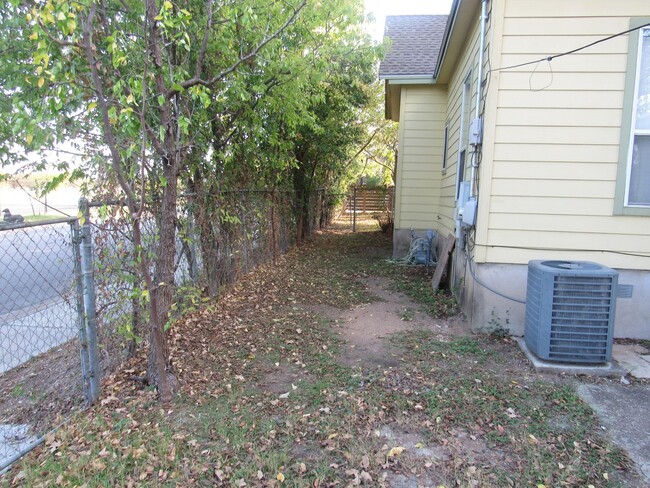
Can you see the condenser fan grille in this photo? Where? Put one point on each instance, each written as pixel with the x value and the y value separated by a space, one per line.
pixel 580 317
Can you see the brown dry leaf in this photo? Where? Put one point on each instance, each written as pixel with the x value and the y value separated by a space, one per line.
pixel 355 474
pixel 171 455
pixel 365 461
pixel 396 451
pixel 19 477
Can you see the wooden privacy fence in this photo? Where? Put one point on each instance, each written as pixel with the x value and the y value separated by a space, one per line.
pixel 370 200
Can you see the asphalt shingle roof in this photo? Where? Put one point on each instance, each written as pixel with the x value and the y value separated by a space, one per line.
pixel 416 41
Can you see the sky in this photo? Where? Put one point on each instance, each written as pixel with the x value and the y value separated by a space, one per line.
pixel 381 8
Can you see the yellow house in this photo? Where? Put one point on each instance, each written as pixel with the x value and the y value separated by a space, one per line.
pixel 525 133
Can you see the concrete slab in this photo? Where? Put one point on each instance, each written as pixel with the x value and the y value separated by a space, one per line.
pixel 623 412
pixel 541 366
pixel 633 358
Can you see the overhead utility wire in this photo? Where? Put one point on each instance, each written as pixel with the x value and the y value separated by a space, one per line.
pixel 573 51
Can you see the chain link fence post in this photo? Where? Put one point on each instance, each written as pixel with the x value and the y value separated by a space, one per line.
pixel 81 321
pixel 354 210
pixel 243 203
pixel 89 300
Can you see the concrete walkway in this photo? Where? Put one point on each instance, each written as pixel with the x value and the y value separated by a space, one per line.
pixel 623 411
pixel 621 406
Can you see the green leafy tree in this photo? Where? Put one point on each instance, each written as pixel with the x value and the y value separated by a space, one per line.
pixel 203 95
pixel 143 73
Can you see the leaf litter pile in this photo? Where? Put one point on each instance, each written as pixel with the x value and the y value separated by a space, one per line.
pixel 333 368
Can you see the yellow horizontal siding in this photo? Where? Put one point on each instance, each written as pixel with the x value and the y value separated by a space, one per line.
pixel 466 64
pixel 558 43
pixel 571 240
pixel 421 183
pixel 575 9
pixel 560 117
pixel 589 225
pixel 552 188
pixel 420 172
pixel 599 81
pixel 422 120
pixel 551 205
pixel 556 153
pixel 611 259
pixel 522 97
pixel 534 170
pixel 545 26
pixel 557 133
pixel 584 62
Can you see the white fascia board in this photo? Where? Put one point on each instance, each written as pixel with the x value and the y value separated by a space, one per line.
pixel 408 79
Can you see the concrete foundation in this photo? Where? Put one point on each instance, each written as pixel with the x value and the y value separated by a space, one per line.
pixel 487 311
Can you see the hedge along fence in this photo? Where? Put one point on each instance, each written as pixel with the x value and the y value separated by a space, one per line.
pixel 219 237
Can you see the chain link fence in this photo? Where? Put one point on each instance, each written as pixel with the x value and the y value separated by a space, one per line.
pixel 40 316
pixel 72 301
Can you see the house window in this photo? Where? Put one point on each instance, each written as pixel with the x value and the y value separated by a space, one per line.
pixel 633 185
pixel 638 192
pixel 465 113
pixel 444 149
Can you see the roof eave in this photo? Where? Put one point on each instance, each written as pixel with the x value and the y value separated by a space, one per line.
pixel 461 17
pixel 408 79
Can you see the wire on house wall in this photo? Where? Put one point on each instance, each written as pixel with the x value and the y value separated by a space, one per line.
pixel 532 248
pixel 484 285
pixel 572 51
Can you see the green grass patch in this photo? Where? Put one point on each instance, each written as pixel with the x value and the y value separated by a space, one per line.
pixel 41 218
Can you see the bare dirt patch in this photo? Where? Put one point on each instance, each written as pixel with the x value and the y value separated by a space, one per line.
pixel 282 378
pixel 366 327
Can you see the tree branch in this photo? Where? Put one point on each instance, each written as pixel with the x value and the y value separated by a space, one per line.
pixel 196 80
pixel 109 136
pixel 349 161
pixel 198 69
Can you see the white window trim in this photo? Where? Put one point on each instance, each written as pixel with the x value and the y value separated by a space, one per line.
pixel 633 130
pixel 445 148
pixel 628 123
pixel 466 98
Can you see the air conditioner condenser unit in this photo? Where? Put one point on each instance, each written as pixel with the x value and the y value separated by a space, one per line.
pixel 570 310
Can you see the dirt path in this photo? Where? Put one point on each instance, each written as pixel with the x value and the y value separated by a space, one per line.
pixel 367 327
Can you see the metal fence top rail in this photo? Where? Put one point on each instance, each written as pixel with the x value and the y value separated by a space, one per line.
pixel 40 223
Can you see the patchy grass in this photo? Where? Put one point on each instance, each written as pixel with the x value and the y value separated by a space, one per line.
pixel 40 218
pixel 266 400
pixel 415 283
